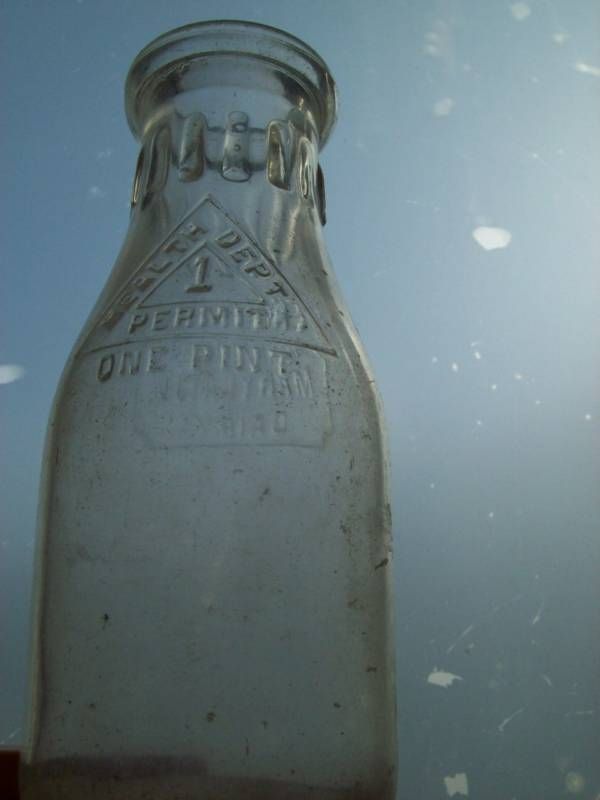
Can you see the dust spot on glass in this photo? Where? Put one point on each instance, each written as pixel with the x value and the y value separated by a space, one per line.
pixel 492 238
pixel 588 417
pixel 102 154
pixel 477 355
pixel 494 387
pixel 9 373
pixel 432 44
pixel 518 376
pixel 432 485
pixel 96 192
pixel 437 40
pixel 574 782
pixel 491 515
pixel 587 69
pixel 440 678
pixel 434 360
pixel 457 784
pixel 479 423
pixel 520 11
pixel 560 37
pixel 454 366
pixel 443 107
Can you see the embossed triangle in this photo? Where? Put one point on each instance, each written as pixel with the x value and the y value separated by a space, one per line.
pixel 208 277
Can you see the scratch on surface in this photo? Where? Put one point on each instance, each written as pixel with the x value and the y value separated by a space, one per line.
pixel 588 712
pixel 546 678
pixel 538 615
pixel 10 736
pixel 421 205
pixel 506 603
pixel 466 632
pixel 505 722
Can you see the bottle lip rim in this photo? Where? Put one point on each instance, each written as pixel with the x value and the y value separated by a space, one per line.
pixel 239 37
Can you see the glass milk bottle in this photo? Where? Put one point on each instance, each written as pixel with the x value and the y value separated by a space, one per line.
pixel 213 612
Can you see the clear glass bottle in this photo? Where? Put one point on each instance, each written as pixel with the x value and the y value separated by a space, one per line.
pixel 213 609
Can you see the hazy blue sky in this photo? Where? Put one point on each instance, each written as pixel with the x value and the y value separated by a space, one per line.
pixel 463 205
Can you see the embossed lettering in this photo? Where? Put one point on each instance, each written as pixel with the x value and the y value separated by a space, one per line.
pixel 243 254
pixel 259 269
pixel 156 362
pixel 183 315
pixel 160 320
pixel 228 239
pixel 199 285
pixel 278 289
pixel 105 367
pixel 138 320
pixel 129 362
pixel 206 256
pixel 201 354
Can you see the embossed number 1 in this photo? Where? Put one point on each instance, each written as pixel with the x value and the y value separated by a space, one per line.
pixel 201 264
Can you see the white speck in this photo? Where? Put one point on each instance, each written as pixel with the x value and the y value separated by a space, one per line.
pixel 9 373
pixel 505 722
pixel 479 423
pixel 492 238
pixel 441 678
pixel 518 376
pixel 10 736
pixel 477 355
pixel 546 679
pixel 432 485
pixel 454 366
pixel 491 515
pixel 534 79
pixel 474 344
pixel 467 68
pixel 434 360
pixel 104 153
pixel 560 38
pixel 538 402
pixel 587 69
pixel 587 417
pixel 431 50
pixel 535 156
pixel 457 784
pixel 443 107
pixel 520 11
pixel 494 387
pixel 96 191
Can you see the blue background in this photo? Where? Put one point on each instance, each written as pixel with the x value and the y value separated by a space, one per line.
pixel 455 115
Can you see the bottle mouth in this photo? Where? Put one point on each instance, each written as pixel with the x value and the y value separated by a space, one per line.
pixel 235 38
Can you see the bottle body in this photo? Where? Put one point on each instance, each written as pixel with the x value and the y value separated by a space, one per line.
pixel 213 613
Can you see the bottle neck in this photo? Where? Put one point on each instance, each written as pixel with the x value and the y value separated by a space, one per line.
pixel 217 138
